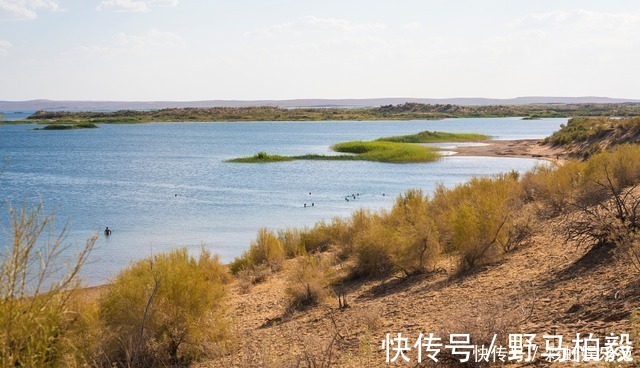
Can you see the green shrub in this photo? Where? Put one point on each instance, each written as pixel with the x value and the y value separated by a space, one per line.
pixel 166 309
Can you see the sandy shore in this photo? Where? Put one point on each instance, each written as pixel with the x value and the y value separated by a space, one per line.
pixel 529 148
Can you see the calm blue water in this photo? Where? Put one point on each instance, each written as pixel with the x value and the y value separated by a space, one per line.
pixel 159 186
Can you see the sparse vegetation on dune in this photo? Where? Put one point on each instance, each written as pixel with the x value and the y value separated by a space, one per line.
pixel 582 137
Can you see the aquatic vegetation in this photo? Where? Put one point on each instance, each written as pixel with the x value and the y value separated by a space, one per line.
pixel 70 126
pixel 398 149
pixel 388 151
pixel 433 137
pixel 262 157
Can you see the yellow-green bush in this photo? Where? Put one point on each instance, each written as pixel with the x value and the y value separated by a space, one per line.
pixel 165 309
pixel 309 281
pixel 39 321
pixel 291 242
pixel 372 250
pixel 322 236
pixel 266 249
pixel 474 218
pixel 416 240
pixel 578 184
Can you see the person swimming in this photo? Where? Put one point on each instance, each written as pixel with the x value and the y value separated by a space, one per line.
pixel 107 232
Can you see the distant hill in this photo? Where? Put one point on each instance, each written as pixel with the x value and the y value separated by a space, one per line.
pixel 366 102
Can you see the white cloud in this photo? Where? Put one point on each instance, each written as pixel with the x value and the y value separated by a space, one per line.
pixel 124 6
pixel 312 24
pixel 582 20
pixel 413 26
pixel 167 3
pixel 135 5
pixel 152 39
pixel 25 9
pixel 4 47
pixel 124 43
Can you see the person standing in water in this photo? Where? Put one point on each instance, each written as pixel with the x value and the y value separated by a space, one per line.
pixel 107 232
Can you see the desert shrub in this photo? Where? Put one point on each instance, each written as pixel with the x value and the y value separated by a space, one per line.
pixel 38 317
pixel 316 239
pixel 291 242
pixel 309 281
pixel 265 249
pixel 165 309
pixel 416 237
pixel 522 227
pixel 371 250
pixel 338 234
pixel 614 170
pixel 554 186
pixel 248 277
pixel 579 129
pixel 607 212
pixel 347 232
pixel 474 218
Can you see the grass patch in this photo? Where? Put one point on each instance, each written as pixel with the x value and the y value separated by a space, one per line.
pixel 68 126
pixel 359 151
pixel 387 151
pixel 434 137
pixel 397 149
pixel 262 157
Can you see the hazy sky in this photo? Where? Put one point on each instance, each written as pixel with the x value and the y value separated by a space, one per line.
pixel 280 49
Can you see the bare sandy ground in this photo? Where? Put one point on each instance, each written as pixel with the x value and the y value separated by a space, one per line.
pixel 529 148
pixel 544 288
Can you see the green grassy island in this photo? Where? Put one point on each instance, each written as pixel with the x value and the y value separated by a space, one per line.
pixel 397 149
pixel 68 126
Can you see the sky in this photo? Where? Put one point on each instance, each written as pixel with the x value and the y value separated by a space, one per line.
pixel 184 50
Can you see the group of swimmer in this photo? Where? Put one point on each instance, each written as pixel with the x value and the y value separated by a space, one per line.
pixel 347 198
pixel 351 196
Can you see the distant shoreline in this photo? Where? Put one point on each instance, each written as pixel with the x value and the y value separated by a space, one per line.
pixel 407 111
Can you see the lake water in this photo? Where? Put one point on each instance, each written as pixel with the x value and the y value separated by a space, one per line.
pixel 163 185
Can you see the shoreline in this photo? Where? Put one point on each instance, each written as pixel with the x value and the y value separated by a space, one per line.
pixel 516 148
